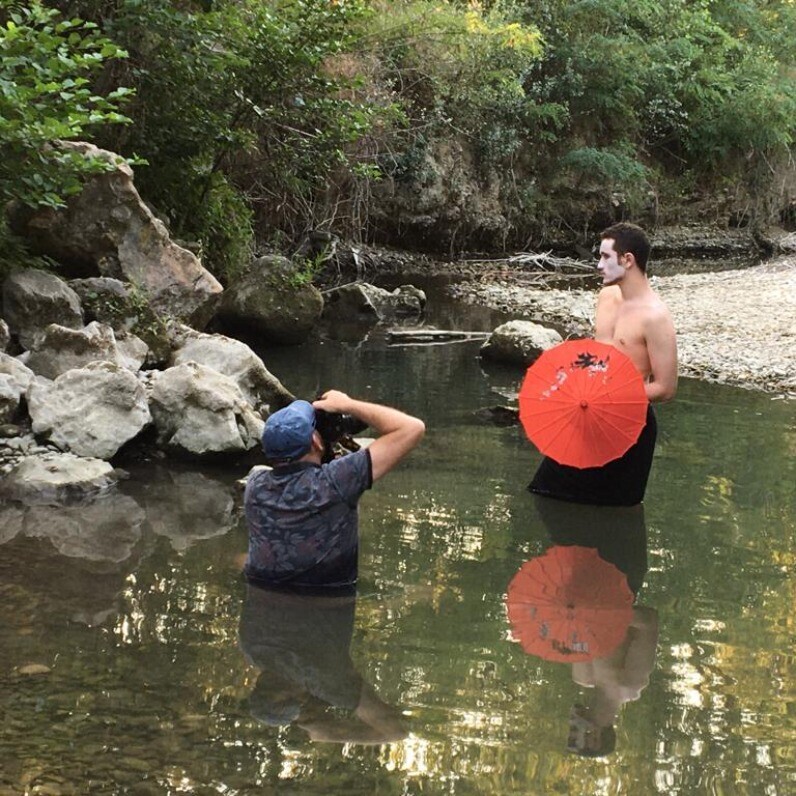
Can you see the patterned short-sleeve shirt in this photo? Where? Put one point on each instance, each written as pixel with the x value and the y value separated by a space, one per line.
pixel 303 522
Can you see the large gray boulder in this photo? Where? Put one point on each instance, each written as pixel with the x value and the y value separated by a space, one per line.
pixel 5 336
pixel 91 411
pixel 361 301
pixel 519 342
pixel 108 229
pixel 57 478
pixel 15 379
pixel 119 305
pixel 33 299
pixel 236 360
pixel 273 299
pixel 60 349
pixel 200 412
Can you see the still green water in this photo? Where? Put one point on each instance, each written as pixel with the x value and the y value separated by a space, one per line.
pixel 132 609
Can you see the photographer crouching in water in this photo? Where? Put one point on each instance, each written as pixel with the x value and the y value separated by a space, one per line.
pixel 302 514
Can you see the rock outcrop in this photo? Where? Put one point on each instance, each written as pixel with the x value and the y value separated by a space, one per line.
pixel 200 412
pixel 236 360
pixel 108 230
pixel 33 299
pixel 15 379
pixel 61 349
pixel 274 300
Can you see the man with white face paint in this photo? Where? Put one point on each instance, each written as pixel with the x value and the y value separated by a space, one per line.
pixel 631 317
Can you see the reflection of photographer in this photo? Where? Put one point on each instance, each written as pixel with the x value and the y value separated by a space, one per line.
pixel 302 514
pixel 300 643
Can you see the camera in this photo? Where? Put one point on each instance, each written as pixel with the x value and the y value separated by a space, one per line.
pixel 336 430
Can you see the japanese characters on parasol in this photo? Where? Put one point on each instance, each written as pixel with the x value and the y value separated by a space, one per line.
pixel 569 605
pixel 583 403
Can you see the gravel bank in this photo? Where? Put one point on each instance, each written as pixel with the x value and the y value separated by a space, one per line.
pixel 733 327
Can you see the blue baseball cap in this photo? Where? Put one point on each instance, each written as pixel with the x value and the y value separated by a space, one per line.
pixel 288 432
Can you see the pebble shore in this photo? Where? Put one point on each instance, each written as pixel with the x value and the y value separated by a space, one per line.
pixel 733 327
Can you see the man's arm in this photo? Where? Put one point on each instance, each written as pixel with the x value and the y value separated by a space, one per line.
pixel 398 432
pixel 662 350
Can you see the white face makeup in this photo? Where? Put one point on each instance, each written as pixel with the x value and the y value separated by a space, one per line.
pixel 610 263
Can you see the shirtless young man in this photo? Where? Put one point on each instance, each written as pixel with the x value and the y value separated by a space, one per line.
pixel 631 317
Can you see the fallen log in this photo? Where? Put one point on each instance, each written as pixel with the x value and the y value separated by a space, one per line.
pixel 420 336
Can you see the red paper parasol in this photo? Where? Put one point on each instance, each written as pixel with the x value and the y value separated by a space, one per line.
pixel 569 605
pixel 583 403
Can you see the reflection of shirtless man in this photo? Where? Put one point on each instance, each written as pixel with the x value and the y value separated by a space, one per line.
pixel 633 318
pixel 616 678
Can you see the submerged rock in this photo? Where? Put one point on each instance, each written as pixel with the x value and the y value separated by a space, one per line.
pixel 367 303
pixel 106 529
pixel 519 342
pixel 57 478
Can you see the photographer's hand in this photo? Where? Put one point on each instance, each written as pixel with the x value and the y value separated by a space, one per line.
pixel 334 401
pixel 399 432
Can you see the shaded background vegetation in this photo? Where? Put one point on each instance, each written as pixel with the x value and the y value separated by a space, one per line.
pixel 432 124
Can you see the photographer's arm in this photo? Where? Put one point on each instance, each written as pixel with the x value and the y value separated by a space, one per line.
pixel 398 432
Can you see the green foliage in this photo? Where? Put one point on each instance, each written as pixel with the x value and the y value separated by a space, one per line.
pixel 690 83
pixel 46 66
pixel 251 98
pixel 461 71
pixel 266 118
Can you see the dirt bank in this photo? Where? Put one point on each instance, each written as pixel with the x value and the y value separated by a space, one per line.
pixel 733 327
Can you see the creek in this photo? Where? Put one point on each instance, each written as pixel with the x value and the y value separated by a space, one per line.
pixel 122 668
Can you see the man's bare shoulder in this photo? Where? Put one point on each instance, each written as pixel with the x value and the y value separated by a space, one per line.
pixel 656 310
pixel 609 296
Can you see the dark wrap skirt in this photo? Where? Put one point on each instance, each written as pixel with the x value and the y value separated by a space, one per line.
pixel 621 482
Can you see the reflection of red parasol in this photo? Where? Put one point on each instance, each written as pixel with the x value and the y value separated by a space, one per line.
pixel 569 605
pixel 583 403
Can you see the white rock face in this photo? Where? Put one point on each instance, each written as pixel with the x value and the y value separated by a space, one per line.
pixel 56 477
pixel 60 349
pixel 519 342
pixel 15 379
pixel 131 351
pixel 90 411
pixel 201 412
pixel 236 360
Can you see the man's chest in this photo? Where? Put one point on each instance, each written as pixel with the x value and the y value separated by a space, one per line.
pixel 623 328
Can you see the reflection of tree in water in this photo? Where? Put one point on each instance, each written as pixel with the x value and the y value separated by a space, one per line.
pixel 301 644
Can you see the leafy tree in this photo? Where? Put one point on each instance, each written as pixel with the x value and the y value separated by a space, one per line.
pixel 245 112
pixel 46 67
